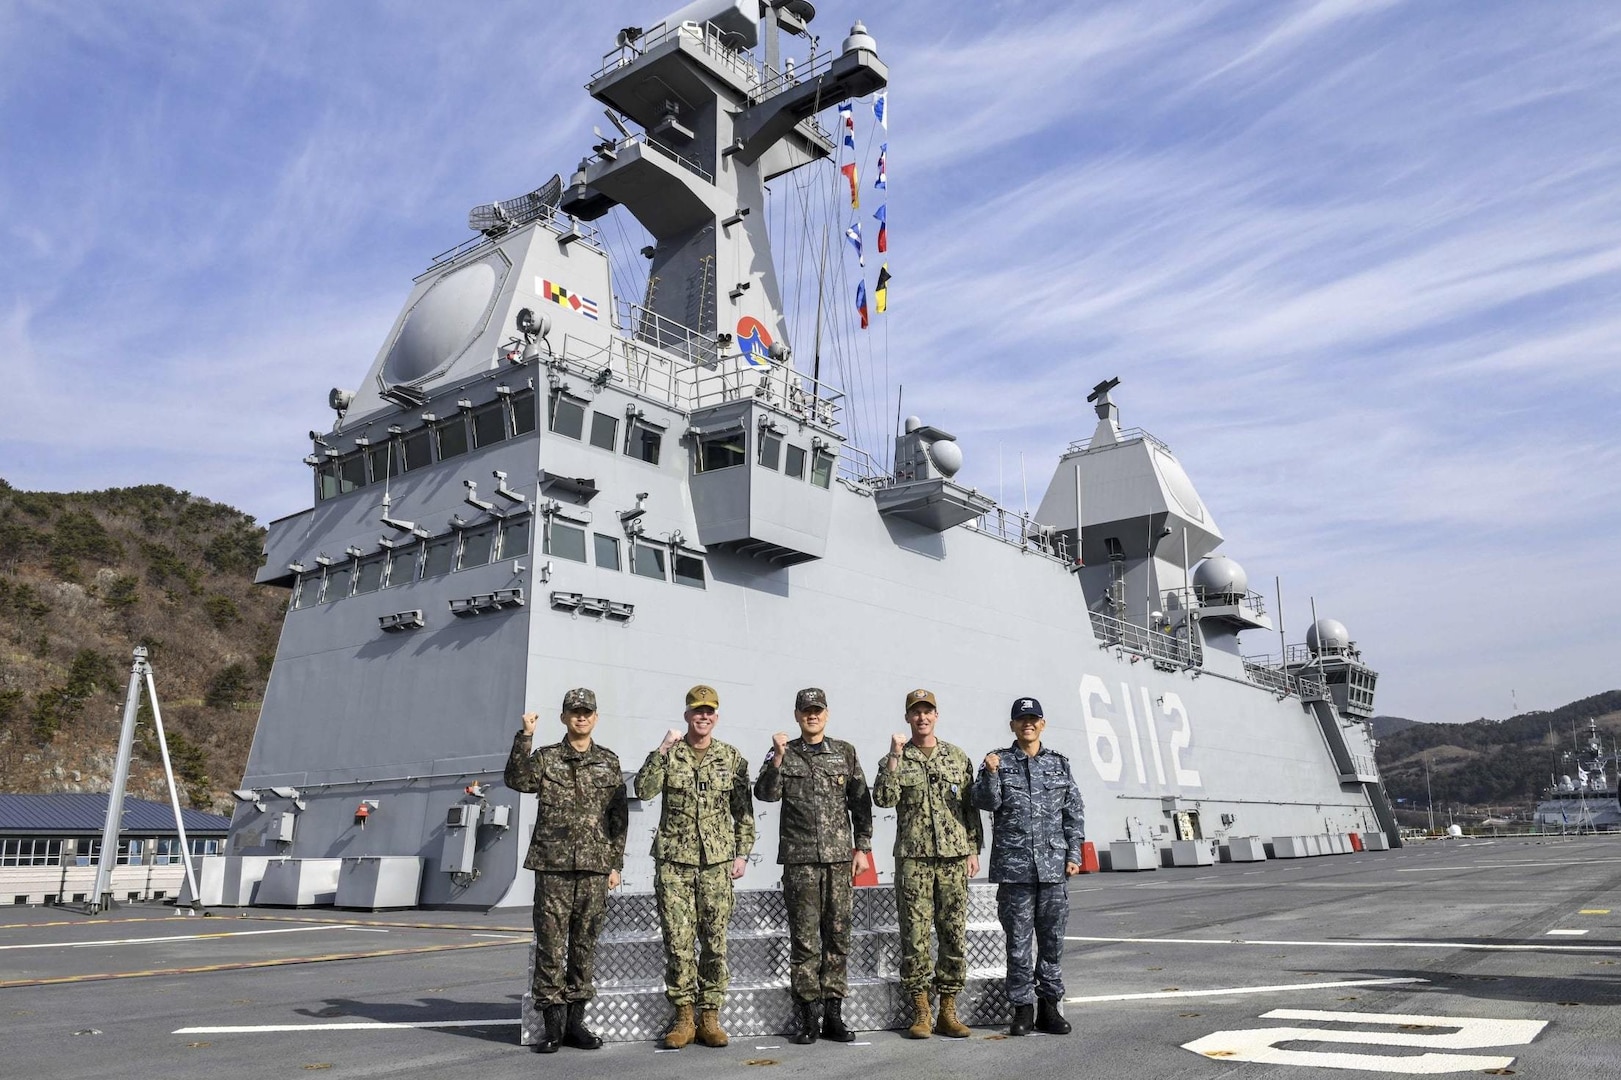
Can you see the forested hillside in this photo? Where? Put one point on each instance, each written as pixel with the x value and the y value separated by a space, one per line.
pixel 85 577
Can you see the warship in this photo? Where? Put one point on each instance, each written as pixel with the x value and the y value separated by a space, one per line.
pixel 1589 801
pixel 541 484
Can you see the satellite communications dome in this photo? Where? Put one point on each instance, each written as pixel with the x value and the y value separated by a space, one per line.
pixel 1219 577
pixel 1328 636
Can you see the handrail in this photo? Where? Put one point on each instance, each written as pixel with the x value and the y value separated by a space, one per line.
pixel 1081 446
pixel 1154 644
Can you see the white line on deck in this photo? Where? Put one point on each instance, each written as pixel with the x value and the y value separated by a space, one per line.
pixel 1480 946
pixel 1225 991
pixel 504 937
pixel 1566 933
pixel 177 937
pixel 361 1025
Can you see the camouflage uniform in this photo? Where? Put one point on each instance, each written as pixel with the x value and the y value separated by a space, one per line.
pixel 706 821
pixel 1037 826
pixel 824 798
pixel 581 818
pixel 936 829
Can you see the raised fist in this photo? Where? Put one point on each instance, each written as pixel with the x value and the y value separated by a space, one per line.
pixel 992 762
pixel 779 742
pixel 897 744
pixel 530 719
pixel 671 737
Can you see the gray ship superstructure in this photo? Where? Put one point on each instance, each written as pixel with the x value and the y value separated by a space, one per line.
pixel 539 485
pixel 1589 801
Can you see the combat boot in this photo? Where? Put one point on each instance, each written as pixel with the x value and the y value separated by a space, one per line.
pixel 710 1032
pixel 1024 1020
pixel 922 1022
pixel 807 1017
pixel 681 1030
pixel 1048 1019
pixel 575 1033
pixel 948 1024
pixel 833 1021
pixel 552 1017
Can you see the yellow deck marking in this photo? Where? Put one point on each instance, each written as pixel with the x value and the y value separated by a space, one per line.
pixel 1594 911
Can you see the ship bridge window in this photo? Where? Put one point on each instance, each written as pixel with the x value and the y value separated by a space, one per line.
pixel 565 541
pixel 326 481
pixel 822 469
pixel 477 547
pixel 794 466
pixel 515 538
pixel 309 590
pixel 687 570
pixel 402 566
pixel 351 472
pixel 417 448
pixel 490 423
pixel 567 415
pixel 642 441
pixel 770 449
pixel 523 412
pixel 607 551
pixel 452 435
pixel 604 431
pixel 439 555
pixel 337 582
pixel 647 560
pixel 380 459
pixel 1112 545
pixel 720 451
pixel 369 574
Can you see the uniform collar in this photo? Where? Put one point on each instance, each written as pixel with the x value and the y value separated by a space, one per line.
pixel 814 748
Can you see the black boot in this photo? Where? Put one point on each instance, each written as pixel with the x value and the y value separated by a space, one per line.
pixel 552 1017
pixel 807 1018
pixel 1024 1020
pixel 833 1021
pixel 1049 1020
pixel 576 1034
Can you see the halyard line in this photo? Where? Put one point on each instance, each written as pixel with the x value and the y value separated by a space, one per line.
pixel 1223 992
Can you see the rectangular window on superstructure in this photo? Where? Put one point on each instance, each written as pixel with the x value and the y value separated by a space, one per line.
pixel 822 469
pixel 687 570
pixel 490 423
pixel 565 541
pixel 647 561
pixel 607 551
pixel 642 441
pixel 794 465
pixel 723 451
pixel 309 590
pixel 351 472
pixel 402 565
pixel 369 574
pixel 770 449
pixel 452 436
pixel 515 537
pixel 523 412
pixel 604 431
pixel 417 449
pixel 477 546
pixel 567 415
pixel 377 461
pixel 326 481
pixel 338 578
pixel 439 555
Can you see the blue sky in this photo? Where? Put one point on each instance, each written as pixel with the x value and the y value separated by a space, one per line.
pixel 1358 263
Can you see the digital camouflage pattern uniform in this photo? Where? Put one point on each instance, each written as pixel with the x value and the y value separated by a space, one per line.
pixel 581 818
pixel 936 829
pixel 1037 826
pixel 705 822
pixel 826 812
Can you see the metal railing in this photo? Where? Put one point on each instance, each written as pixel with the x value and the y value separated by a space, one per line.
pixel 1306 686
pixel 1021 531
pixel 556 221
pixel 642 138
pixel 1080 446
pixel 1194 598
pixel 1159 647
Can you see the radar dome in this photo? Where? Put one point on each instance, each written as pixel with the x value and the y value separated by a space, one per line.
pixel 1219 576
pixel 947 457
pixel 1327 636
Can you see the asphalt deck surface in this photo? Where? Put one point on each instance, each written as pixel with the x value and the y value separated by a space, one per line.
pixel 1329 966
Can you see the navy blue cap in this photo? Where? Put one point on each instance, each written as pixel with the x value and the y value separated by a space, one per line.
pixel 1026 706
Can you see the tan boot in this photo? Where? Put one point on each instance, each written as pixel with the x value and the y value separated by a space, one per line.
pixel 681 1029
pixel 709 1029
pixel 948 1024
pixel 922 1022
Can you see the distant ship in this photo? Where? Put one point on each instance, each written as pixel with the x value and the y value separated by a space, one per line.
pixel 540 484
pixel 1588 801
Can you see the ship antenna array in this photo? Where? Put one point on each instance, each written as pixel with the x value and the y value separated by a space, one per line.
pixel 140 677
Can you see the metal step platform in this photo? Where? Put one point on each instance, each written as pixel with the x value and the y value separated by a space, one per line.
pixel 630 1005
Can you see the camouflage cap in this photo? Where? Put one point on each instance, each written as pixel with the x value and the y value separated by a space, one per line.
pixel 921 696
pixel 702 695
pixel 810 698
pixel 580 699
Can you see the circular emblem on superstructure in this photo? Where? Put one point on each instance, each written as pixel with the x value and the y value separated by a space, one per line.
pixel 755 341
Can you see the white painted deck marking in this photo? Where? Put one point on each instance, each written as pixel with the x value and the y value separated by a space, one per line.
pixel 1226 990
pixel 504 937
pixel 178 937
pixel 1565 933
pixel 1475 945
pixel 1472 1033
pixel 359 1025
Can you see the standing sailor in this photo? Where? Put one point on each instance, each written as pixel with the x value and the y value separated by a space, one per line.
pixel 1037 828
pixel 826 811
pixel 705 835
pixel 576 851
pixel 938 836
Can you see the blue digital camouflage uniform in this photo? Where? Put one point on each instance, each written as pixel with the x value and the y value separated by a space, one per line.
pixel 1037 826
